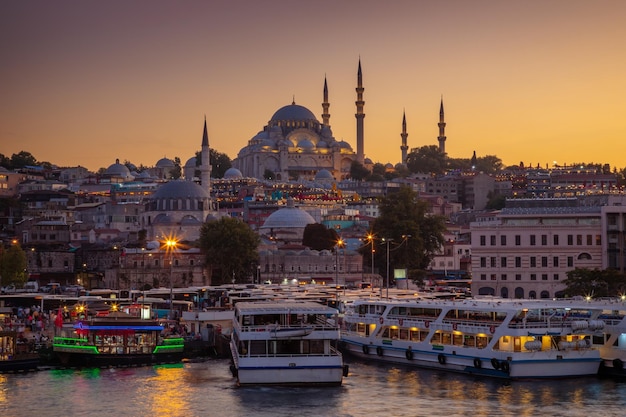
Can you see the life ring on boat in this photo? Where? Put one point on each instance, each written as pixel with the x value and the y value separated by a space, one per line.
pixel 427 324
pixel 495 363
pixel 478 363
pixel 492 329
pixel 381 320
pixel 400 321
pixel 618 364
pixel 366 349
pixel 454 326
pixel 441 358
pixel 505 367
pixel 409 354
pixel 379 351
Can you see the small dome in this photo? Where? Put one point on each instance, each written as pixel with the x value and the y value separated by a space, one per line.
pixel 233 174
pixel 191 162
pixel 189 220
pixel 288 218
pixel 389 165
pixel 345 145
pixel 165 163
pixel 117 170
pixel 324 174
pixel 180 189
pixel 306 144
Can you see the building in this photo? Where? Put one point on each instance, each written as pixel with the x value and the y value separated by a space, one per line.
pixel 526 252
pixel 295 145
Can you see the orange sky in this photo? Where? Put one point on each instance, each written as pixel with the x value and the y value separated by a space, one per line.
pixel 84 83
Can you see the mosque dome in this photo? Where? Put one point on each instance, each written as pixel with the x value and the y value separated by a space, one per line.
pixel 389 165
pixel 233 174
pixel 306 144
pixel 180 190
pixel 191 162
pixel 165 163
pixel 323 174
pixel 288 218
pixel 117 170
pixel 293 112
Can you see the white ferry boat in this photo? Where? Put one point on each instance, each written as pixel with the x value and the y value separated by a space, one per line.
pixel 286 343
pixel 498 338
pixel 611 342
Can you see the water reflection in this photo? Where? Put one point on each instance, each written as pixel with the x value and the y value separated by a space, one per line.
pixel 206 389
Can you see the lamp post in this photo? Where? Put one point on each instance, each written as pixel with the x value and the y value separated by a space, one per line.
pixel 170 246
pixel 406 259
pixel 258 274
pixel 387 241
pixel 338 244
pixel 370 237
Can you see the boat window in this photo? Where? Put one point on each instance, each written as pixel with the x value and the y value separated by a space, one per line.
pixel 482 341
pixel 457 339
pixel 436 338
pixel 469 341
pixel 258 347
pixel 316 347
pixel 423 312
pixel 446 338
pixel 404 334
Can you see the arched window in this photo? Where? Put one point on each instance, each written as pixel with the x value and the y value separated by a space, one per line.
pixel 584 256
pixel 519 292
pixel 504 293
pixel 545 294
pixel 532 295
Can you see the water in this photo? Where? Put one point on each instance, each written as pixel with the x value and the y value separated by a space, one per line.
pixel 208 389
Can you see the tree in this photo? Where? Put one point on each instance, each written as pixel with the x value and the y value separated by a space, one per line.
pixel 358 172
pixel 427 159
pixel 220 163
pixel 318 237
pixel 22 159
pixel 489 164
pixel 230 250
pixel 416 235
pixel 595 282
pixel 176 172
pixel 13 265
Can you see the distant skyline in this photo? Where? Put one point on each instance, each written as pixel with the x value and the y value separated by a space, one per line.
pixel 536 82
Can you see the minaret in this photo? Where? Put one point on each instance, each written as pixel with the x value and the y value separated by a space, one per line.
pixel 205 166
pixel 325 105
pixel 404 147
pixel 360 154
pixel 442 129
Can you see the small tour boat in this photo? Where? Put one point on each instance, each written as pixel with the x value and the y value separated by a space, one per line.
pixel 286 343
pixel 14 357
pixel 499 337
pixel 116 340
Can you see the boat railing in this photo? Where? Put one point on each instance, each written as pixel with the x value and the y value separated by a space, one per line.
pixel 317 326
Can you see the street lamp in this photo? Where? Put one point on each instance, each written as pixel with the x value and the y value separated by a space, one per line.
pixel 387 241
pixel 406 259
pixel 337 246
pixel 370 237
pixel 170 246
pixel 258 274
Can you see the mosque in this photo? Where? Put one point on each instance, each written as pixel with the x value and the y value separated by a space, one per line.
pixel 295 145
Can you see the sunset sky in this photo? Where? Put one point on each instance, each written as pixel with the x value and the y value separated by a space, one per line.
pixel 538 81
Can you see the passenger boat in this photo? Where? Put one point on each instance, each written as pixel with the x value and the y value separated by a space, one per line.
pixel 116 340
pixel 14 356
pixel 286 343
pixel 611 341
pixel 500 338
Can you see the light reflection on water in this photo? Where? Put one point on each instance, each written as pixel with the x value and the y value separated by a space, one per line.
pixel 208 389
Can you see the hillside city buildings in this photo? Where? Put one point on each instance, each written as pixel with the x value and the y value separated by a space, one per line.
pixel 105 230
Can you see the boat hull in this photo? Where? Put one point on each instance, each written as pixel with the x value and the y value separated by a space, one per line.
pixel 285 370
pixel 103 360
pixel 20 365
pixel 470 361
